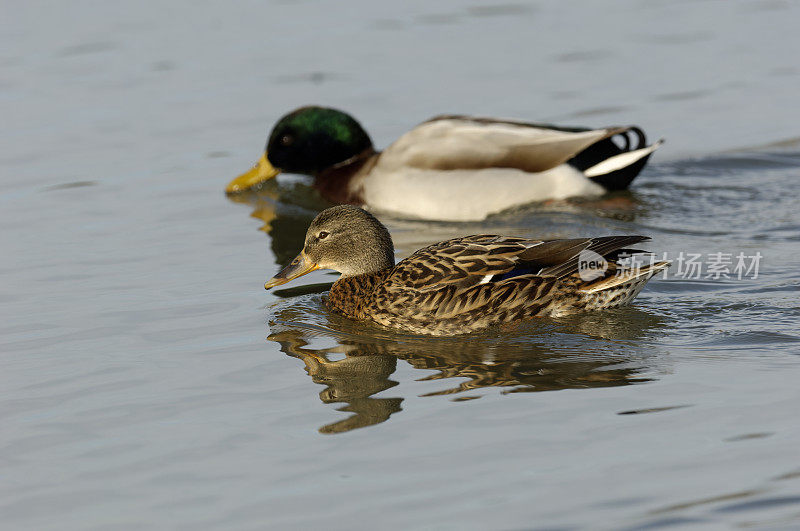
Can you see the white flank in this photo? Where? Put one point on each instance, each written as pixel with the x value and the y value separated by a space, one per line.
pixel 468 195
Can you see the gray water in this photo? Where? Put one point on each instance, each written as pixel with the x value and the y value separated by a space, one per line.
pixel 149 382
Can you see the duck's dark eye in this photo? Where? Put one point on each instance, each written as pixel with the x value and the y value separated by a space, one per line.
pixel 322 235
pixel 286 140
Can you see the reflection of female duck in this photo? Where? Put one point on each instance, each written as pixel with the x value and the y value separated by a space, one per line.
pixel 532 359
pixel 523 373
pixel 464 284
pixel 352 380
pixel 450 167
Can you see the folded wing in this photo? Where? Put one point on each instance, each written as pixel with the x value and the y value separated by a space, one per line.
pixel 461 142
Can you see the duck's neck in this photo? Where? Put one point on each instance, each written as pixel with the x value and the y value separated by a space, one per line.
pixel 336 184
pixel 350 296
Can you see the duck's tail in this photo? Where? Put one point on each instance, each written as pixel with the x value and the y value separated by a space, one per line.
pixel 614 167
pixel 618 289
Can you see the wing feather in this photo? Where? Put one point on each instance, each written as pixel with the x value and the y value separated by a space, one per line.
pixel 459 142
pixel 602 246
pixel 460 262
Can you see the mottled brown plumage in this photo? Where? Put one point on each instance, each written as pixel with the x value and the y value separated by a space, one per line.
pixel 464 284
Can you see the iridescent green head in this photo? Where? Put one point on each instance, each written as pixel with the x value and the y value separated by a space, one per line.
pixel 312 139
pixel 308 140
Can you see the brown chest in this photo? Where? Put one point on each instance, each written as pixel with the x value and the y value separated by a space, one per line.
pixel 353 296
pixel 336 184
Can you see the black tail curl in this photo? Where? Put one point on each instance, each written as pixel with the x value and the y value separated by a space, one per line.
pixel 632 139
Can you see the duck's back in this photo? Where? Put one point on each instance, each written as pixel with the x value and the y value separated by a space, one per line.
pixel 462 142
pixel 470 283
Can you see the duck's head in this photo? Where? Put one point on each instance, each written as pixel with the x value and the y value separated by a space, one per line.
pixel 344 238
pixel 306 141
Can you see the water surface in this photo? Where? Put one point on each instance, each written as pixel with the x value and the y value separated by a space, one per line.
pixel 149 382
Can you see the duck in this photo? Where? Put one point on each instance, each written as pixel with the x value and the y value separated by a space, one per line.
pixel 464 284
pixel 450 167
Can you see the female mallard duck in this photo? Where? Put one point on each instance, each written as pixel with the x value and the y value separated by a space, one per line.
pixel 464 284
pixel 456 168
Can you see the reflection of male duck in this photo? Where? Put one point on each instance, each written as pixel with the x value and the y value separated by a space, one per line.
pixel 286 209
pixel 285 220
pixel 542 356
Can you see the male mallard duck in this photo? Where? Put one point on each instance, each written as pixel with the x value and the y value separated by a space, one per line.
pixel 456 168
pixel 464 284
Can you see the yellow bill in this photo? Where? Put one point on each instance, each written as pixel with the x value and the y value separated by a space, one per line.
pixel 299 267
pixel 260 173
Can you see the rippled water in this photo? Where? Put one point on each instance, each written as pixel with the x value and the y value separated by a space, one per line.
pixel 150 382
